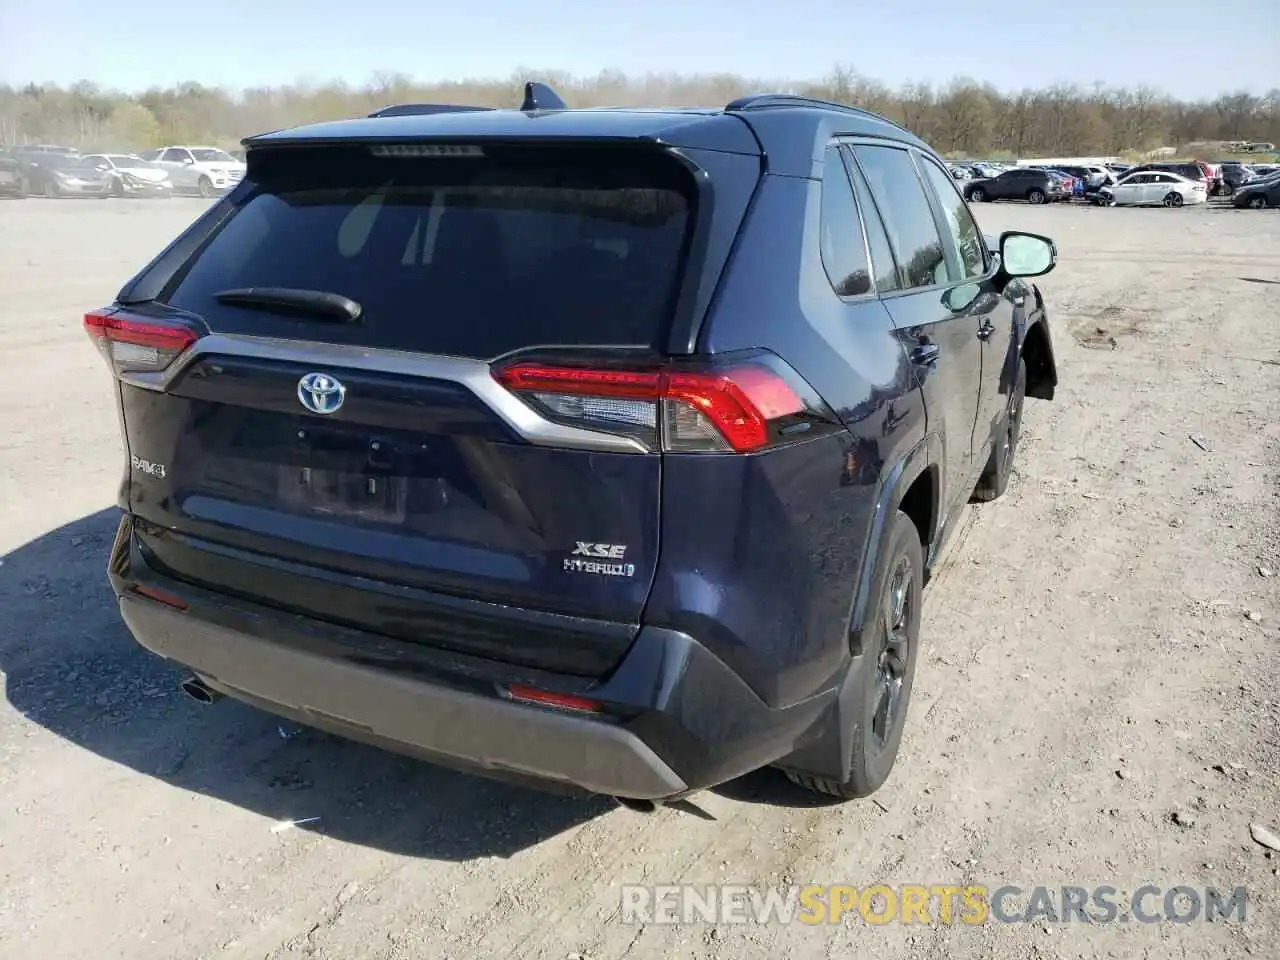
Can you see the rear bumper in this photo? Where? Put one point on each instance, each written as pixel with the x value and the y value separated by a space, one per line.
pixel 674 717
pixel 432 720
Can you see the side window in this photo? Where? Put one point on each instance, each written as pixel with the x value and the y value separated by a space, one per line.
pixel 173 155
pixel 844 254
pixel 908 218
pixel 883 267
pixel 965 232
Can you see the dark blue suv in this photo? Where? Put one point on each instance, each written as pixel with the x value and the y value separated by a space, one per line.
pixel 610 448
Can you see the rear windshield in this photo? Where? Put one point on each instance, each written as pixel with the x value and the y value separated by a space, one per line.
pixel 466 256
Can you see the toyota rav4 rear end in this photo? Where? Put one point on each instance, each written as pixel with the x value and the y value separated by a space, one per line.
pixel 421 450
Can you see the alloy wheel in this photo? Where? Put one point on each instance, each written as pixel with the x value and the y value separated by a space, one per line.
pixel 895 648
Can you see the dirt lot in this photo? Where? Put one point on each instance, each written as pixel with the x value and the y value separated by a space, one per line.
pixel 1095 704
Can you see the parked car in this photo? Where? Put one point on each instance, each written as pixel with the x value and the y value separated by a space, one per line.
pixel 960 172
pixel 1259 194
pixel 1071 184
pixel 12 183
pixel 481 460
pixel 987 170
pixel 1153 188
pixel 1190 169
pixel 46 148
pixel 131 176
pixel 207 171
pixel 1091 178
pixel 1234 176
pixel 1020 183
pixel 63 175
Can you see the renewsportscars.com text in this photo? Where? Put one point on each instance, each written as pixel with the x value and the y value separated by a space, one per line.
pixel 930 904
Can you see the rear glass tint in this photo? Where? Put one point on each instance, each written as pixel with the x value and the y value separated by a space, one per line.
pixel 466 256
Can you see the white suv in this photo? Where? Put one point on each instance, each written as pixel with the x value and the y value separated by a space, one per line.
pixel 204 170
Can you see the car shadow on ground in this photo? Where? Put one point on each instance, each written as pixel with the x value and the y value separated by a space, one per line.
pixel 71 666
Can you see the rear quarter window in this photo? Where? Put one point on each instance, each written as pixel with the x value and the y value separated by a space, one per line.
pixel 472 257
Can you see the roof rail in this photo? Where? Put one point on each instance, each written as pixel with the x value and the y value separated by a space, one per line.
pixel 537 96
pixel 423 109
pixel 758 101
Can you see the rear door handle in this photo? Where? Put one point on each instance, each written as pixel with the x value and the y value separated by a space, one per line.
pixel 925 355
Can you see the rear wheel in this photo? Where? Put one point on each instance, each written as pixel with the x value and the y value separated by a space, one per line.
pixel 206 187
pixel 995 477
pixel 887 668
pixel 1036 196
pixel 1173 199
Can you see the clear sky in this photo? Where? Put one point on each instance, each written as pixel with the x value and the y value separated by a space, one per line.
pixel 1187 49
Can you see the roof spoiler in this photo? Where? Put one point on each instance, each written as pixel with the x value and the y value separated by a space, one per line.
pixel 537 96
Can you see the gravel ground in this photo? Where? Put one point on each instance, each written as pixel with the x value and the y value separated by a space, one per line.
pixel 1096 703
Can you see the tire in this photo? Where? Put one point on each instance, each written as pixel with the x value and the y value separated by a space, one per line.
pixel 977 195
pixel 1259 202
pixel 205 186
pixel 886 668
pixel 50 191
pixel 995 476
pixel 1173 199
pixel 1226 189
pixel 117 187
pixel 1035 196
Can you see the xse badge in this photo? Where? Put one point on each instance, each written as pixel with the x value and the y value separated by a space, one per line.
pixel 588 557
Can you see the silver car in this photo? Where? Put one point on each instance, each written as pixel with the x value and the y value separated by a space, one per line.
pixel 132 176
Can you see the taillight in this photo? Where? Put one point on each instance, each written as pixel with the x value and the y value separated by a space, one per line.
pixel 739 407
pixel 134 344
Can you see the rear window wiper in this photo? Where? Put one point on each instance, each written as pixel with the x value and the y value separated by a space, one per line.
pixel 315 303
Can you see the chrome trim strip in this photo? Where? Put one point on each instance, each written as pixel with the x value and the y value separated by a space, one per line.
pixel 475 375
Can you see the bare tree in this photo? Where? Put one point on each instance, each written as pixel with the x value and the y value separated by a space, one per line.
pixel 962 117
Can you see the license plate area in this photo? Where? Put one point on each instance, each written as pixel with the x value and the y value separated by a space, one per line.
pixel 356 496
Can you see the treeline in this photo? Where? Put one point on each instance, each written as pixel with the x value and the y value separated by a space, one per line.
pixel 963 117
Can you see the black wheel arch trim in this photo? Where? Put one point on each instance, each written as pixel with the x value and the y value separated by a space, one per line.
pixel 925 455
pixel 1035 345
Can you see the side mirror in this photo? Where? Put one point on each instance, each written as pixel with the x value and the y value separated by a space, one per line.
pixel 188 160
pixel 1026 254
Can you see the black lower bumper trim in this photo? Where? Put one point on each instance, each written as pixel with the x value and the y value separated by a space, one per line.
pixel 490 732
